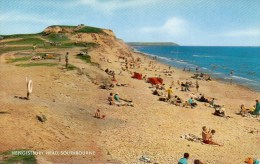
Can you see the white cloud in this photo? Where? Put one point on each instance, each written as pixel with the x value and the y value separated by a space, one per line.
pixel 243 33
pixel 111 5
pixel 173 26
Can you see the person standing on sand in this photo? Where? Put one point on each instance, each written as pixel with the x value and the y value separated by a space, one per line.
pixel 197 86
pixel 67 59
pixel 257 108
pixel 169 91
pixel 185 158
pixel 231 74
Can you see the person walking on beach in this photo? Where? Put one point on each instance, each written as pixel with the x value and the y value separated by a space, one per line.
pixel 197 86
pixel 231 74
pixel 67 59
pixel 185 158
pixel 197 70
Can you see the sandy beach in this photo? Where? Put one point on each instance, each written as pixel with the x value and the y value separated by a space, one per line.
pixel 69 100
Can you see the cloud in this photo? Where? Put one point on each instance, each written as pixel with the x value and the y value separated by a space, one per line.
pixel 31 18
pixel 173 26
pixel 243 33
pixel 111 5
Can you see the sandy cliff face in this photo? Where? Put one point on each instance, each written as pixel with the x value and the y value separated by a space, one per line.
pixel 106 38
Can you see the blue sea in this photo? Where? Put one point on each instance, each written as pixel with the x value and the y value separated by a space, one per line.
pixel 216 61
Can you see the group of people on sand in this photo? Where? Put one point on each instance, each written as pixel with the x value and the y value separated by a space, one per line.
pixel 207 136
pixel 255 110
pixel 114 99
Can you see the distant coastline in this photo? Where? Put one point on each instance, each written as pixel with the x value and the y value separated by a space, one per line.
pixel 152 44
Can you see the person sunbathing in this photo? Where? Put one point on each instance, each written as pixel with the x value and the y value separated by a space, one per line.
pixel 220 111
pixel 176 101
pixel 203 99
pixel 192 102
pixel 207 136
pixel 122 102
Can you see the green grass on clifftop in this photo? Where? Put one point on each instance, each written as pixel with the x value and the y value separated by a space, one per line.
pixel 88 29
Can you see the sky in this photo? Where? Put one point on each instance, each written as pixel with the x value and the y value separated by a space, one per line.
pixel 185 22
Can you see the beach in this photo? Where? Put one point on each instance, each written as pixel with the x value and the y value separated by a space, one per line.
pixel 69 100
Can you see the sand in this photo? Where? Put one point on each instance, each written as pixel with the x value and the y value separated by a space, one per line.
pixel 153 128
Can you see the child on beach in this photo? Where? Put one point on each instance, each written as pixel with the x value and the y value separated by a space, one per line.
pixel 97 114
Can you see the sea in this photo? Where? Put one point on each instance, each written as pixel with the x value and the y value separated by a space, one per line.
pixel 239 64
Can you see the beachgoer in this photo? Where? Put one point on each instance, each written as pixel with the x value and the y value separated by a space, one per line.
pixel 197 69
pixel 183 87
pixel 186 104
pixel 203 99
pixel 212 102
pixel 197 86
pixel 192 102
pixel 244 110
pixel 250 160
pixel 67 59
pixel 111 99
pixel 257 108
pixel 187 87
pixel 207 136
pixel 231 74
pixel 116 97
pixel 196 161
pixel 169 91
pixel 220 111
pixel 97 114
pixel 185 158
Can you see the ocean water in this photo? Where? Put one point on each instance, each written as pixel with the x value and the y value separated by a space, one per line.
pixel 216 61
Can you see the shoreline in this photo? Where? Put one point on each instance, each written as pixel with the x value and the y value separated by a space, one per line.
pixel 219 79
